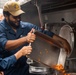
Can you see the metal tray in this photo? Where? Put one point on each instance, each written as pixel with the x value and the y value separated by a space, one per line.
pixel 47 51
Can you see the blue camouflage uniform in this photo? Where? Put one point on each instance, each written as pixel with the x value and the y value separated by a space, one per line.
pixel 15 67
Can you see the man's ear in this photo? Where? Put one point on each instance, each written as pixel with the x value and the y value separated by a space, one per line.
pixel 1 73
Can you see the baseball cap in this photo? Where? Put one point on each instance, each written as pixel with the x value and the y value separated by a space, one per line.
pixel 13 8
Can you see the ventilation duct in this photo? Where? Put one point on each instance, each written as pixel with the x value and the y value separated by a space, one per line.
pixel 54 5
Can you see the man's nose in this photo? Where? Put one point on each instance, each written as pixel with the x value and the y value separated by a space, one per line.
pixel 18 18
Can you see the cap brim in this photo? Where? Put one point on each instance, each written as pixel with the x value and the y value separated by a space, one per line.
pixel 16 13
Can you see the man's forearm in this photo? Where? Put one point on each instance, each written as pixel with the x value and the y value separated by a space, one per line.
pixel 18 55
pixel 13 44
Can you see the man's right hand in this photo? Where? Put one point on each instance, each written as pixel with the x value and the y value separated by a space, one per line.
pixel 23 51
pixel 26 50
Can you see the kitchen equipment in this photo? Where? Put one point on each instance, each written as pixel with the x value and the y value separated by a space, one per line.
pixel 66 73
pixel 47 51
pixel 66 32
pixel 69 33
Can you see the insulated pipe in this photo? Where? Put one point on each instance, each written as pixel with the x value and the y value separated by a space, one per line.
pixel 40 16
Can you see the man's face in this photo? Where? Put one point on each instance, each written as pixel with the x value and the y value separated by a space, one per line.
pixel 14 21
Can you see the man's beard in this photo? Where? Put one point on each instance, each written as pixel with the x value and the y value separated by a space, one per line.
pixel 13 24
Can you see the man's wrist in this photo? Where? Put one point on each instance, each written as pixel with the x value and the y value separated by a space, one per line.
pixel 18 55
pixel 26 39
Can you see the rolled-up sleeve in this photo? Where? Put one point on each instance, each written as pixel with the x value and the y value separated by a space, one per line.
pixel 49 33
pixel 3 38
pixel 7 62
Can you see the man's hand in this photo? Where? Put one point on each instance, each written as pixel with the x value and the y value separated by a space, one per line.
pixel 23 51
pixel 1 73
pixel 30 36
pixel 26 50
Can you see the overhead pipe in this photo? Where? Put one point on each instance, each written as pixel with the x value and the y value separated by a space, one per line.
pixel 39 14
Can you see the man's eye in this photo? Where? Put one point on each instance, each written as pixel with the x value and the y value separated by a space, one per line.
pixel 15 17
